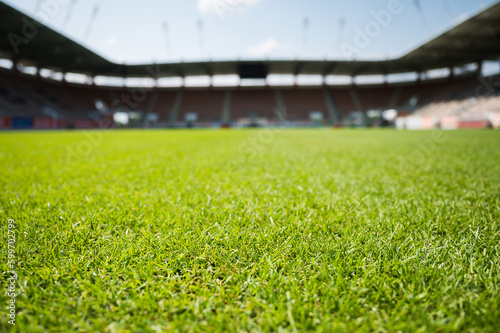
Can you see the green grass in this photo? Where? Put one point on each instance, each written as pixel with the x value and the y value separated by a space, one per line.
pixel 253 230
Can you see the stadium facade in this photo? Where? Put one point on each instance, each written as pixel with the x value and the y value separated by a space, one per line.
pixel 439 84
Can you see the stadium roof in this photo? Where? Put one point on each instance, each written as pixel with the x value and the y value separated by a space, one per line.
pixel 25 39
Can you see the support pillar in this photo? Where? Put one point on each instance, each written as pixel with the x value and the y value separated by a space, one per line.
pixel 174 111
pixel 226 109
pixel 333 111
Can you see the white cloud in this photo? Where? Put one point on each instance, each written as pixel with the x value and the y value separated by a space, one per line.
pixel 112 41
pixel 265 48
pixel 225 8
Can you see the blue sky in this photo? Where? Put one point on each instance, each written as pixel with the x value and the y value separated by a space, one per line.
pixel 132 31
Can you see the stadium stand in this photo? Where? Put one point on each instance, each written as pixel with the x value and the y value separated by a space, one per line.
pixel 249 103
pixel 377 98
pixel 164 105
pixel 301 102
pixel 207 104
pixel 344 102
pixel 466 104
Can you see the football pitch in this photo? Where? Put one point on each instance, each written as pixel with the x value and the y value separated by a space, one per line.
pixel 251 230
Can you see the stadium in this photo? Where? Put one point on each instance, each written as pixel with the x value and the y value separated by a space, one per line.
pixel 434 75
pixel 337 194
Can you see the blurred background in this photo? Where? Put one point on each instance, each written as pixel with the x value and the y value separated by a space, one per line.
pixel 410 64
